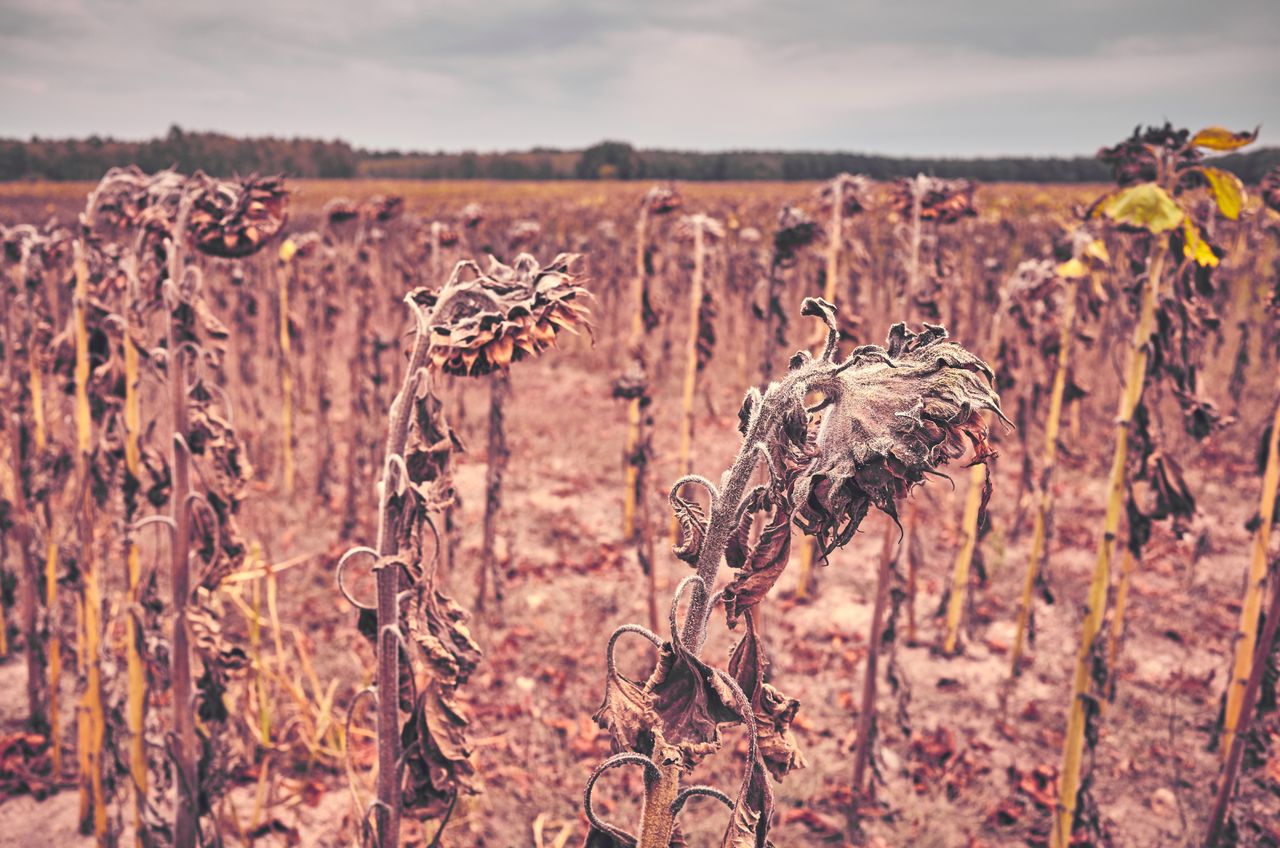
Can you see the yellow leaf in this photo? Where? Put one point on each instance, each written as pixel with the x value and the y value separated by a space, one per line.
pixel 288 249
pixel 1072 269
pixel 1219 138
pixel 1097 249
pixel 1227 189
pixel 1145 205
pixel 1194 247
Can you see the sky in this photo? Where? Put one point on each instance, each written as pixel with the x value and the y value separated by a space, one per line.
pixel 901 77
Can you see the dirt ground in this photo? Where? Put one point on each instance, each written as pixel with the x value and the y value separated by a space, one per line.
pixel 950 763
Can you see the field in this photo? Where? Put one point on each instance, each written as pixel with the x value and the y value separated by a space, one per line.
pixel 963 752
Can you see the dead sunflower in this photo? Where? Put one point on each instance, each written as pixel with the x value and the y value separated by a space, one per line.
pixel 893 416
pixel 1271 189
pixel 235 219
pixel 662 200
pixel 482 321
pixel 944 201
pixel 853 190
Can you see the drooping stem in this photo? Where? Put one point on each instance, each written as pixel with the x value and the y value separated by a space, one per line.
pixel 1045 502
pixel 1245 648
pixel 866 716
pixel 1079 708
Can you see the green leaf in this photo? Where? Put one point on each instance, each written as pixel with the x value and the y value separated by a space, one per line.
pixel 1146 206
pixel 1219 138
pixel 1228 191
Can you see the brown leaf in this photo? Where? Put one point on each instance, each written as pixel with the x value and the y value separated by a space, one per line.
pixel 774 712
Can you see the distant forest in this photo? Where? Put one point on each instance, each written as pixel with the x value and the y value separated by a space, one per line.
pixel 224 155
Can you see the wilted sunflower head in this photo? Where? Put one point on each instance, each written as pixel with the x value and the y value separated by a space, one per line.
pixel 944 201
pixel 127 199
pixel 340 210
pixel 235 219
pixel 687 227
pixel 895 415
pixel 472 215
pixel 1271 189
pixel 481 321
pixel 853 190
pixel 383 208
pixel 662 200
pixel 523 234
pixel 796 231
pixel 1136 159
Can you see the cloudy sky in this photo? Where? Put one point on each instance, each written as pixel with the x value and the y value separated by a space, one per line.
pixel 921 77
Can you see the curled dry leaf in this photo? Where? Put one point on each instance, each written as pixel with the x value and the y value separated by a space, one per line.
pixel 774 712
pixel 483 321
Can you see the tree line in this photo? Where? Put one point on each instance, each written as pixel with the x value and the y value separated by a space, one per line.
pixel 225 155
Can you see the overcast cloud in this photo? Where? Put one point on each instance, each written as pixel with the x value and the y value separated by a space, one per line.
pixel 919 77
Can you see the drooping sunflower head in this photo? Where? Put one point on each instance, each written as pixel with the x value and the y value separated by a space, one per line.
pixel 894 416
pixel 1271 189
pixel 854 190
pixel 662 200
pixel 482 321
pixel 235 219
pixel 796 231
pixel 944 201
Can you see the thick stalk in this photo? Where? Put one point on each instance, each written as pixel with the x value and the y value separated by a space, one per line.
pixel 91 596
pixel 1116 635
pixel 964 559
pixel 286 380
pixel 499 391
pixel 55 651
pixel 186 745
pixel 1045 502
pixel 1248 701
pixel 690 363
pixel 866 716
pixel 657 819
pixel 630 493
pixel 135 710
pixel 387 812
pixel 1245 647
pixel 1096 604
